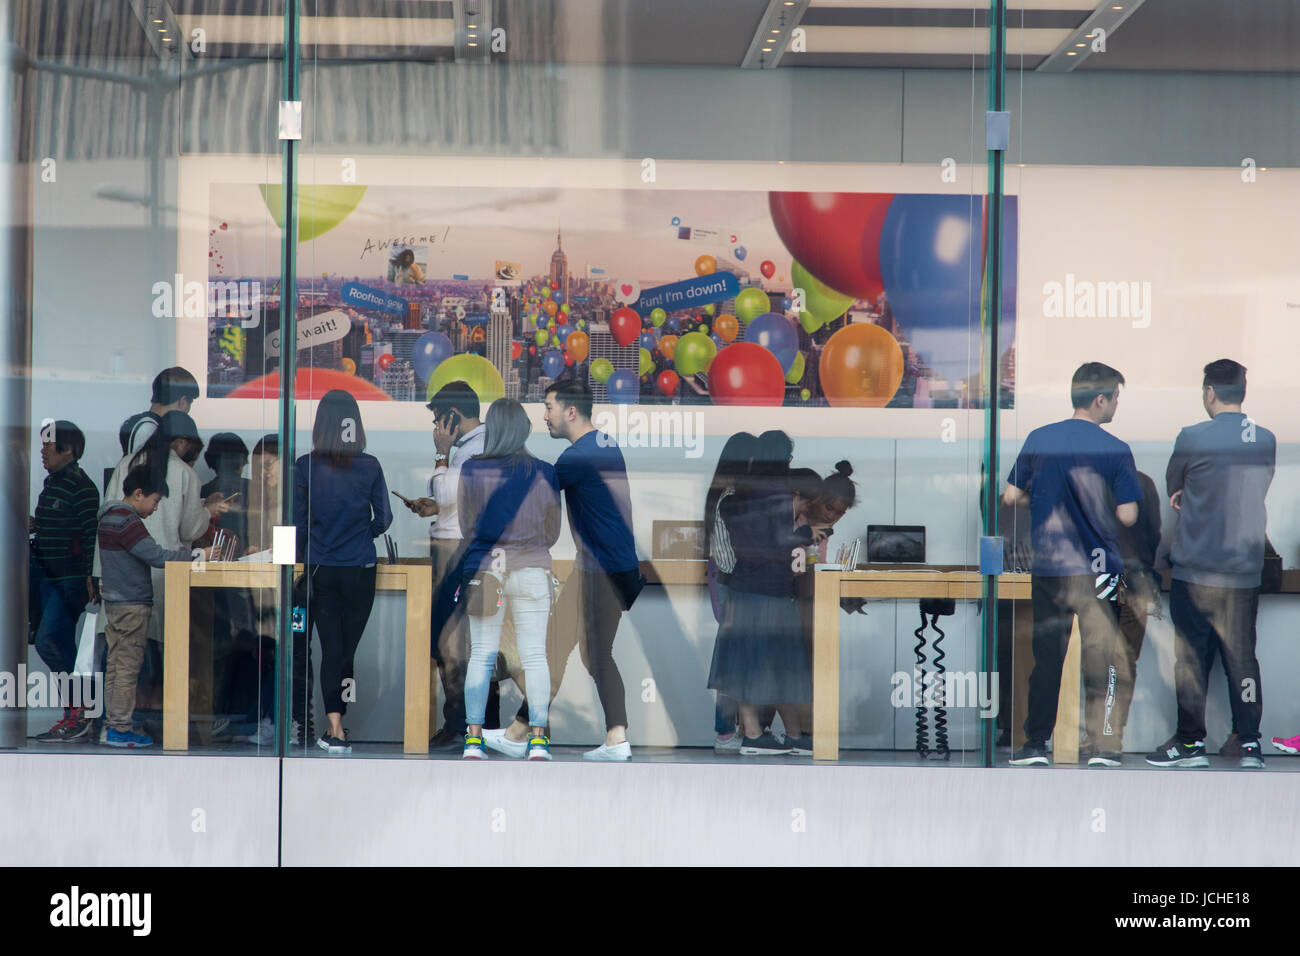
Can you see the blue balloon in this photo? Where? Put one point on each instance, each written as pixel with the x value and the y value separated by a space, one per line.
pixel 718 340
pixel 429 351
pixel 677 220
pixel 672 325
pixel 623 387
pixel 563 332
pixel 777 334
pixel 557 297
pixel 741 253
pixel 786 303
pixel 931 261
pixel 553 363
pixel 649 341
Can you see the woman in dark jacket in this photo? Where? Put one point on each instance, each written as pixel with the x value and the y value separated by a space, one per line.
pixel 340 507
pixel 760 657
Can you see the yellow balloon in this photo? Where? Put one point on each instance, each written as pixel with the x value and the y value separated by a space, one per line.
pixel 475 371
pixel 349 367
pixel 320 208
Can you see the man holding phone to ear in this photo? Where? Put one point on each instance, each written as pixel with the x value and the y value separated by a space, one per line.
pixel 458 436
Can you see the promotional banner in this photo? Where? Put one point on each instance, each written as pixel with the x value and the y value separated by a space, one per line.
pixel 783 298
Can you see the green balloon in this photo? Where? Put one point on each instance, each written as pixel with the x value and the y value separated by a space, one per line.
pixel 805 394
pixel 795 374
pixel 540 337
pixel 647 362
pixel 602 369
pixel 320 208
pixel 810 325
pixel 582 323
pixel 751 303
pixel 694 353
pixel 658 317
pixel 565 308
pixel 710 309
pixel 822 303
pixel 546 293
pixel 704 329
pixel 555 340
pixel 475 371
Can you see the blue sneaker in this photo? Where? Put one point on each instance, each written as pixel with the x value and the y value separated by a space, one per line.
pixel 127 738
pixel 539 748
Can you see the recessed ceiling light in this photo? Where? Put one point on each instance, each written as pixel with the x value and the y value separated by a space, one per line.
pixel 767 49
pixel 473 44
pixel 1071 53
pixel 1081 44
pixel 167 39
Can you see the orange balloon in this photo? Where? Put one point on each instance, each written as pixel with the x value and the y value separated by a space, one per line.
pixel 577 345
pixel 349 367
pixel 706 265
pixel 668 345
pixel 550 306
pixel 861 367
pixel 727 327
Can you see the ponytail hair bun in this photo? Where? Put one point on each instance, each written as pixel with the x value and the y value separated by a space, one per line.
pixel 844 468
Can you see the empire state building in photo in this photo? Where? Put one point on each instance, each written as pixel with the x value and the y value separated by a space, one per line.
pixel 560 267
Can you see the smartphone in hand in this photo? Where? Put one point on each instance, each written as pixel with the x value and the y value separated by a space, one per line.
pixel 405 500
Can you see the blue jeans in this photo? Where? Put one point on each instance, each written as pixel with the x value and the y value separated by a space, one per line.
pixel 61 604
pixel 528 599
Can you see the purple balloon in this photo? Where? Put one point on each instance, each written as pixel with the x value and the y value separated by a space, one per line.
pixel 775 333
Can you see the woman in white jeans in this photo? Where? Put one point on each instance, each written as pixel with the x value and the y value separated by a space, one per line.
pixel 509 509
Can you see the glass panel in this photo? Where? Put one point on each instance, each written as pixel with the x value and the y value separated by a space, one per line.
pixel 146 314
pixel 758 217
pixel 1159 198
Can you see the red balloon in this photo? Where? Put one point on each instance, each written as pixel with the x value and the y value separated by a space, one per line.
pixel 562 318
pixel 625 326
pixel 768 267
pixel 667 381
pixel 835 236
pixel 516 350
pixel 745 373
pixel 555 285
pixel 385 360
pixel 568 359
pixel 532 350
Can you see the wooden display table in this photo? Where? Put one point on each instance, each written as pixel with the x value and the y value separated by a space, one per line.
pixel 831 585
pixel 413 578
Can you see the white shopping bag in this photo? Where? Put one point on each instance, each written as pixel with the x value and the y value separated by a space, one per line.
pixel 85 666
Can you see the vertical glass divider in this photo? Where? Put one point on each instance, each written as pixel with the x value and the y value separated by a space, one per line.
pixel 991 302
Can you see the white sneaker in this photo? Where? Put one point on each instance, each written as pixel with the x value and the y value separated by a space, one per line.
pixel 265 734
pixel 498 741
pixel 621 751
pixel 729 746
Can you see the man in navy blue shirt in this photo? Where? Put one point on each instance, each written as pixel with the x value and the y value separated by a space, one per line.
pixel 1217 479
pixel 1077 480
pixel 606 578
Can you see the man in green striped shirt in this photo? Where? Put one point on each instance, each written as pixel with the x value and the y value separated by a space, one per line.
pixel 61 556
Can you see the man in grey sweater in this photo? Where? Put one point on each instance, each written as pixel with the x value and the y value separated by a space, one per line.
pixel 127 552
pixel 1217 479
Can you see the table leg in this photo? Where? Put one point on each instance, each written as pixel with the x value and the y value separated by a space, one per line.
pixel 1065 736
pixel 826 665
pixel 1022 663
pixel 419 595
pixel 176 657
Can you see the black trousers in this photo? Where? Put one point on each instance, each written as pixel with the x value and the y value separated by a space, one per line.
pixel 587 613
pixel 1056 602
pixel 1209 620
pixel 339 601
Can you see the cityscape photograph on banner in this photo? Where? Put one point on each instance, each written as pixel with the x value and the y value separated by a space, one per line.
pixel 868 300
